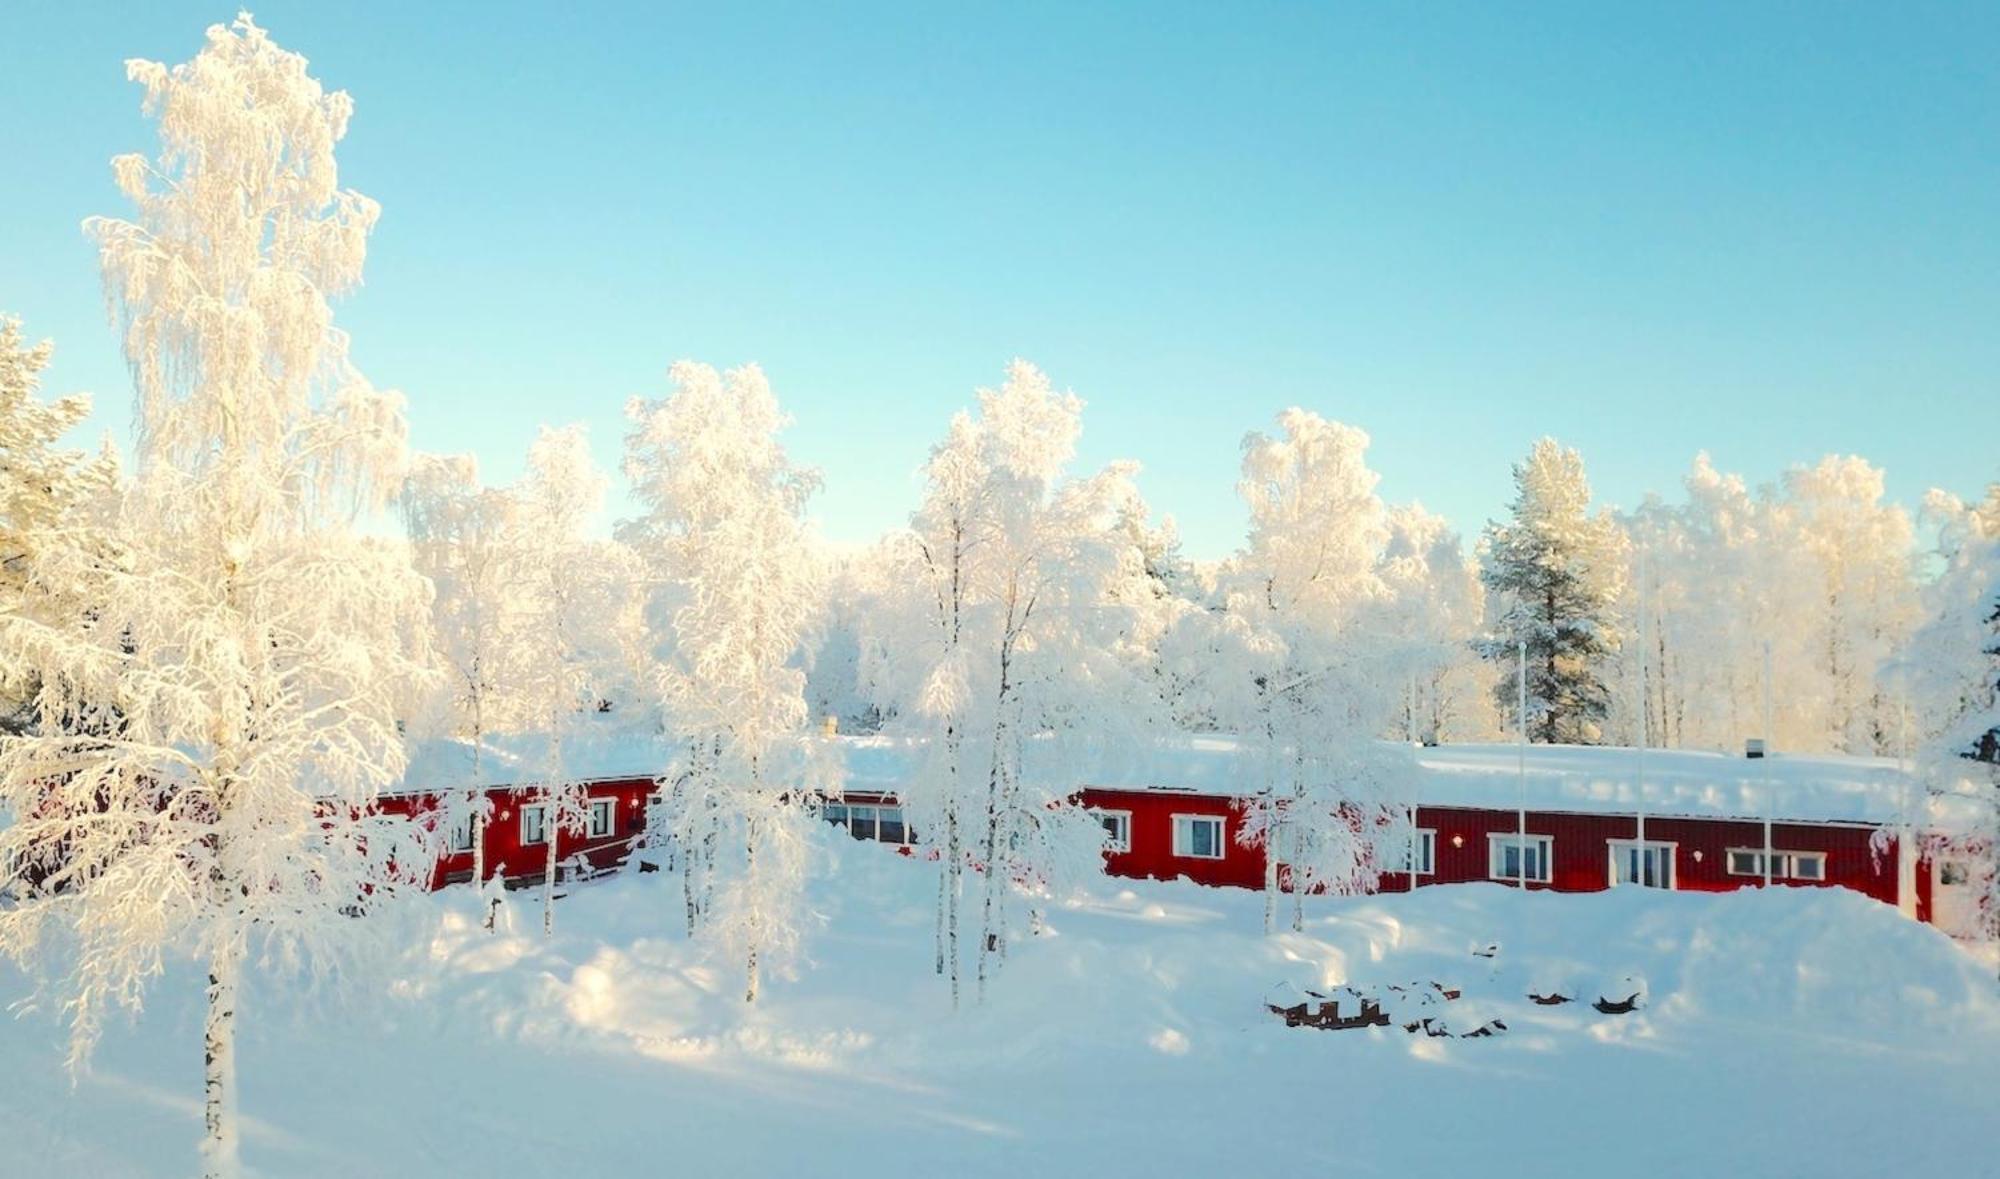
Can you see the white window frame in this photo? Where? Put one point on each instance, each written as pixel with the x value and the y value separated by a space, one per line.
pixel 1121 840
pixel 902 820
pixel 1184 837
pixel 609 808
pixel 1614 848
pixel 1546 847
pixel 1425 838
pixel 540 812
pixel 1784 864
pixel 459 838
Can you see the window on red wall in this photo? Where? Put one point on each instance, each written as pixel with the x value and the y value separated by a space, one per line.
pixel 1785 865
pixel 1514 858
pixel 1198 837
pixel 1117 829
pixel 603 818
pixel 1423 843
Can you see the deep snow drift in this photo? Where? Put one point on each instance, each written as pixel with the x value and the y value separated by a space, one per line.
pixel 1790 1032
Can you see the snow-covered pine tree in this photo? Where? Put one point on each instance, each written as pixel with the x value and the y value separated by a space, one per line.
pixel 465 539
pixel 1555 571
pixel 737 581
pixel 44 489
pixel 212 731
pixel 1324 679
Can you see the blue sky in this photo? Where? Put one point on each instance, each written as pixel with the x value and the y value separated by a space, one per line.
pixel 1770 231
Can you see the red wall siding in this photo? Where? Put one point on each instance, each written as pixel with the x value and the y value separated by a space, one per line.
pixel 1152 854
pixel 504 849
pixel 1581 855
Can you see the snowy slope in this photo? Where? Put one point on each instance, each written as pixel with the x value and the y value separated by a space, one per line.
pixel 1788 1032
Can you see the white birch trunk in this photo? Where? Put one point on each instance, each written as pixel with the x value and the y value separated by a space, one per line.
pixel 954 855
pixel 549 830
pixel 751 886
pixel 219 1157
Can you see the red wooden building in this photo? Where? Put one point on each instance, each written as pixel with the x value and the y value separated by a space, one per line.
pixel 1829 821
pixel 1561 818
pixel 517 832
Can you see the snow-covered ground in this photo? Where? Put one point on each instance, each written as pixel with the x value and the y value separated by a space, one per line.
pixel 1794 1032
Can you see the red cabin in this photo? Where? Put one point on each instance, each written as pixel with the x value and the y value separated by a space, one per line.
pixel 516 833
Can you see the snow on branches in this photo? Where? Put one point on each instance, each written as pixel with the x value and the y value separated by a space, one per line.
pixel 1300 658
pixel 213 725
pixel 734 590
pixel 995 640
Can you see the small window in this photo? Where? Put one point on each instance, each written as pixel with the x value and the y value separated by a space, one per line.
pixel 1514 858
pixel 1198 837
pixel 461 834
pixel 1650 864
pixel 1117 829
pixel 889 825
pixel 534 825
pixel 836 814
pixel 1954 872
pixel 1785 865
pixel 1424 844
pixel 603 818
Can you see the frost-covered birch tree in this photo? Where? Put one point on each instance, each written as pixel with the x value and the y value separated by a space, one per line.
pixel 1316 678
pixel 736 584
pixel 577 624
pixel 211 731
pixel 45 489
pixel 1434 610
pixel 1807 583
pixel 999 605
pixel 1952 667
pixel 466 539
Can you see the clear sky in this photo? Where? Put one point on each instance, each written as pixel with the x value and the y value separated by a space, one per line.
pixel 1767 230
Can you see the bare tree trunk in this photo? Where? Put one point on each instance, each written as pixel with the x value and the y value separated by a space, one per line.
pixel 1270 870
pixel 478 801
pixel 944 878
pixel 708 839
pixel 1298 885
pixel 549 865
pixel 954 856
pixel 219 1157
pixel 989 893
pixel 1270 803
pixel 750 888
pixel 687 884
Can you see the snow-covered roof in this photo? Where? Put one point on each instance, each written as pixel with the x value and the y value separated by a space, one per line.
pixel 1815 788
pixel 599 751
pixel 1801 787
